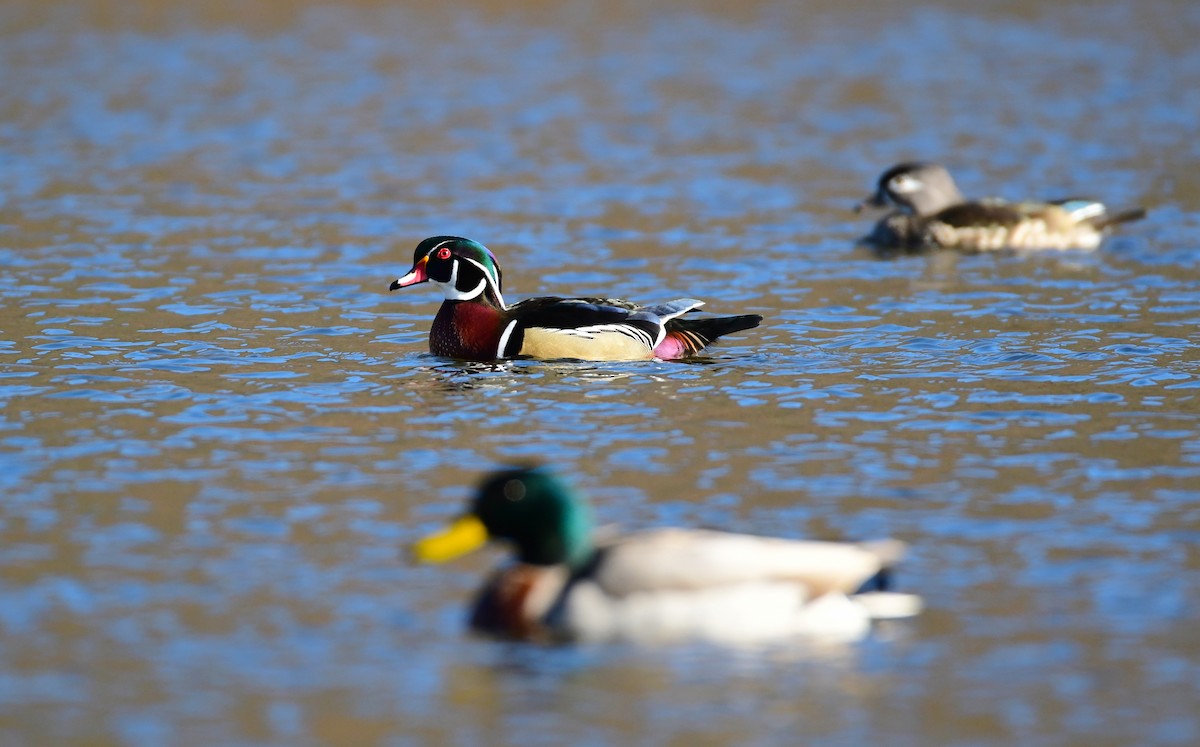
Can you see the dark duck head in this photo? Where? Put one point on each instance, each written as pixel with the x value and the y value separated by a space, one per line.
pixel 546 522
pixel 921 189
pixel 462 269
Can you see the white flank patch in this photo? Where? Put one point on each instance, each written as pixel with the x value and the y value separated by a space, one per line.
pixel 696 558
pixel 890 605
pixel 504 338
pixel 738 614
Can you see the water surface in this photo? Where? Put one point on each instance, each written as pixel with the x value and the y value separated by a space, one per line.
pixel 219 431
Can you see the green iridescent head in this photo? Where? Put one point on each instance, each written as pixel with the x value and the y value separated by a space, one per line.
pixel 547 523
pixel 461 268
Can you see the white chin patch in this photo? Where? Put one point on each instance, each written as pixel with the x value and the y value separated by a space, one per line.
pixel 450 293
pixel 450 288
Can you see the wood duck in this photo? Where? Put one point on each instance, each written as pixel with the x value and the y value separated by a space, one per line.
pixel 474 323
pixel 662 585
pixel 931 212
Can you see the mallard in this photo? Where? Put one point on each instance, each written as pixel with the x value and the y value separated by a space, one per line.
pixel 475 323
pixel 931 212
pixel 569 583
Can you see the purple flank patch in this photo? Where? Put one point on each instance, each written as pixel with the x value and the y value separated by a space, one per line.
pixel 671 348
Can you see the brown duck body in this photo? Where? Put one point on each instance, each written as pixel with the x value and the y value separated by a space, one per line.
pixel 984 226
pixel 932 213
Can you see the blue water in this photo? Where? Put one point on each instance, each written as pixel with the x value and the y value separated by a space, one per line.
pixel 219 432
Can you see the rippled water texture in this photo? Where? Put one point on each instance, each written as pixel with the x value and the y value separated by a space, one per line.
pixel 219 431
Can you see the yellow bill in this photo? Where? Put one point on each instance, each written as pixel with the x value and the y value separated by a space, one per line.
pixel 464 535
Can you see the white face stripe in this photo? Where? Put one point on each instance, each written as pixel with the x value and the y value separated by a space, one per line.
pixel 905 184
pixel 450 289
pixel 504 338
pixel 488 276
pixel 450 293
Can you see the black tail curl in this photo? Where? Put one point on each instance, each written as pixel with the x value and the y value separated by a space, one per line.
pixel 697 334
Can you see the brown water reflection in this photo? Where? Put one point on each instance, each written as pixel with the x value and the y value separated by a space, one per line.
pixel 219 430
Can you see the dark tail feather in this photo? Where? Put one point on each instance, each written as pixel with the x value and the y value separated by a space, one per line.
pixel 693 335
pixel 1125 216
pixel 881 581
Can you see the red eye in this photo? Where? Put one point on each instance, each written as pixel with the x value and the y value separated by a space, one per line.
pixel 443 253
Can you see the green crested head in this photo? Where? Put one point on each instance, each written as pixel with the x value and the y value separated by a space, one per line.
pixel 461 268
pixel 547 522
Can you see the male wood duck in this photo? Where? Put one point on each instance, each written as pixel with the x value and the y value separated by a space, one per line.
pixel 931 212
pixel 474 322
pixel 661 585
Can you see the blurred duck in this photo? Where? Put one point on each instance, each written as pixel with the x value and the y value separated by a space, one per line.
pixel 931 212
pixel 660 585
pixel 474 322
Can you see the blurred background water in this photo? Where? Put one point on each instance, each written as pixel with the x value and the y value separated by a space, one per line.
pixel 219 431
